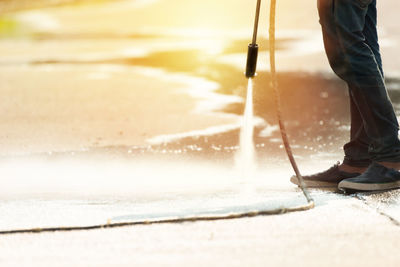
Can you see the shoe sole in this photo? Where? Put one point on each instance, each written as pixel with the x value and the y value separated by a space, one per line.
pixel 314 184
pixel 345 185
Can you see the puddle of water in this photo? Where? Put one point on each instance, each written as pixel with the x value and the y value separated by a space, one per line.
pixel 39 193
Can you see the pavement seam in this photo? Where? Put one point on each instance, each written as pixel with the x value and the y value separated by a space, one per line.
pixel 379 211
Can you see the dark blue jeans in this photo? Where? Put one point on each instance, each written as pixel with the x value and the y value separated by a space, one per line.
pixel 351 44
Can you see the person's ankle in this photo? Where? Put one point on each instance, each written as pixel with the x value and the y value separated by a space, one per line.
pixel 391 165
pixel 351 169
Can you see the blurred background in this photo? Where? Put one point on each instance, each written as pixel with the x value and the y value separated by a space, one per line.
pixel 81 75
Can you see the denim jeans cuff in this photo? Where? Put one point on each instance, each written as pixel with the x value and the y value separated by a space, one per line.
pixel 357 163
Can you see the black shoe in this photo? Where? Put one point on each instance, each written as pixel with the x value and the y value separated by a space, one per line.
pixel 328 178
pixel 377 177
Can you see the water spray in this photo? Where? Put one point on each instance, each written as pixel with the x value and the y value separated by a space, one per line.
pixel 246 153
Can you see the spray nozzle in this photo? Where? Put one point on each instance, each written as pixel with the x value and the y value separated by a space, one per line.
pixel 251 66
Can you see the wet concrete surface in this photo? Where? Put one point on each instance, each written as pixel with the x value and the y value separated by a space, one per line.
pixel 340 231
pixel 66 190
pixel 70 157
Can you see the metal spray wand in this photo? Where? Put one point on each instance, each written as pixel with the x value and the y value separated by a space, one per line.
pixel 252 52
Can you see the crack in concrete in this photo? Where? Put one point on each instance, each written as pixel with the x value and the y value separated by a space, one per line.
pixel 378 210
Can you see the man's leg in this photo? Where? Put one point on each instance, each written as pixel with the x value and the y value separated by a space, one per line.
pixel 357 157
pixel 371 34
pixel 363 72
pixel 356 151
pixel 358 146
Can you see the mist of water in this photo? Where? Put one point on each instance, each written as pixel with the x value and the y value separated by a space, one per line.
pixel 245 159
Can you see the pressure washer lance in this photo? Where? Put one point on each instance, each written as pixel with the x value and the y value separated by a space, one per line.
pixel 252 51
pixel 251 66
